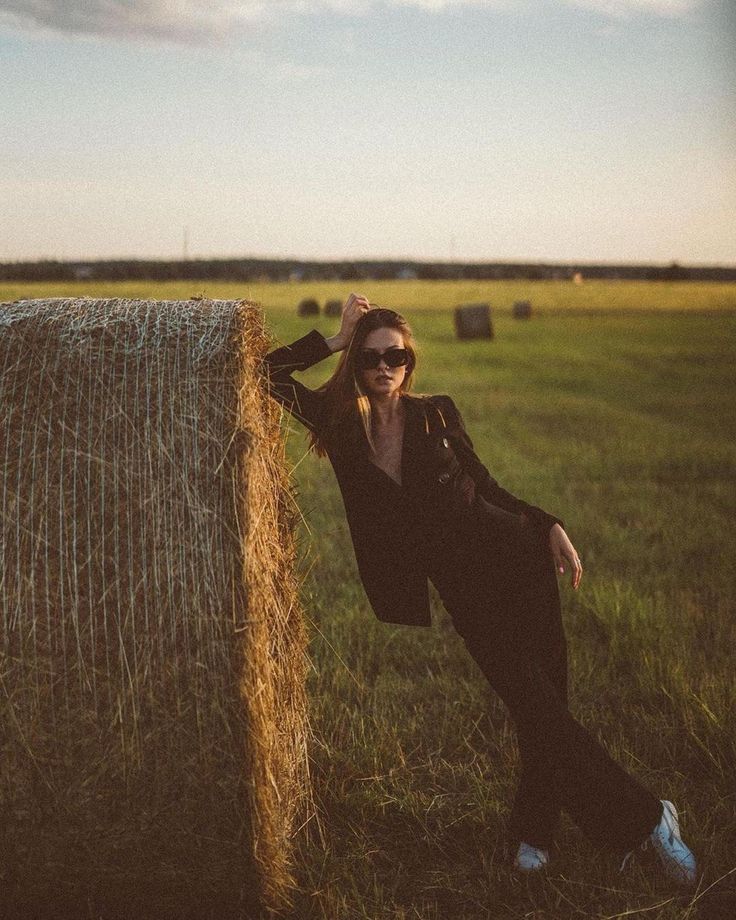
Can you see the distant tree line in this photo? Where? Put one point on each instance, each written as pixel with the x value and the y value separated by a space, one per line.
pixel 255 270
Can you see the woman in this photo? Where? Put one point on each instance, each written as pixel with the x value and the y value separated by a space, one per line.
pixel 420 504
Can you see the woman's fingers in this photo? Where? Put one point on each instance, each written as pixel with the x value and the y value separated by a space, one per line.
pixel 355 306
pixel 564 555
pixel 357 300
pixel 576 569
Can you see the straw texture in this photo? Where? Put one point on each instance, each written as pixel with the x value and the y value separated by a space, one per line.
pixel 153 722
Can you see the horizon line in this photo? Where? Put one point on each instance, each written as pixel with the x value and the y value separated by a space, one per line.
pixel 323 260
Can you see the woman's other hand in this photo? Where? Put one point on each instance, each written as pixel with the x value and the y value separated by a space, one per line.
pixel 353 308
pixel 564 552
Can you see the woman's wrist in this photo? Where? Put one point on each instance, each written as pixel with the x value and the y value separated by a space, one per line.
pixel 335 342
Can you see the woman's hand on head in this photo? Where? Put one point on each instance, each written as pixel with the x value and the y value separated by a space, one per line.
pixel 563 552
pixel 353 308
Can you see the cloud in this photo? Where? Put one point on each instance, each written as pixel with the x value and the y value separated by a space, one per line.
pixel 200 22
pixel 183 21
pixel 624 8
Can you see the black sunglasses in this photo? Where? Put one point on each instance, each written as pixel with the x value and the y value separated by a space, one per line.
pixel 368 358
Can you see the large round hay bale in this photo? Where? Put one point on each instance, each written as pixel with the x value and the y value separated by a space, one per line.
pixel 152 708
pixel 522 309
pixel 473 321
pixel 333 307
pixel 308 306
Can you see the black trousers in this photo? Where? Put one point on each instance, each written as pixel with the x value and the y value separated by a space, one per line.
pixel 508 614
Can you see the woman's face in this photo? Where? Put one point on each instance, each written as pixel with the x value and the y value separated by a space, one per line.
pixel 383 380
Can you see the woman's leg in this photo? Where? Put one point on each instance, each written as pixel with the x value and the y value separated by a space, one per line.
pixel 535 814
pixel 568 765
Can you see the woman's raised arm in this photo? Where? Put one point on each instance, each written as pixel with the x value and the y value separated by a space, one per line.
pixel 279 364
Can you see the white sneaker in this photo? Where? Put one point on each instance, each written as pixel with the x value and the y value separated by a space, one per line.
pixel 530 859
pixel 675 856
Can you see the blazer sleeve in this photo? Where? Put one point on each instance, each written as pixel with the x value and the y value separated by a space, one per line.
pixel 486 485
pixel 278 365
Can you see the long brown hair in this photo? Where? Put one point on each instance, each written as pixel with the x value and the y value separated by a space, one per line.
pixel 344 395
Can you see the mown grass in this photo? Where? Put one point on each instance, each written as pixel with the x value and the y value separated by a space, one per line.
pixel 620 420
pixel 623 426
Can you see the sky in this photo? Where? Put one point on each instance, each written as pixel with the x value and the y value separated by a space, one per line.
pixel 478 130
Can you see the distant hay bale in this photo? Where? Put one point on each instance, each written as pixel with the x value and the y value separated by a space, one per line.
pixel 522 309
pixel 308 306
pixel 152 664
pixel 473 321
pixel 333 308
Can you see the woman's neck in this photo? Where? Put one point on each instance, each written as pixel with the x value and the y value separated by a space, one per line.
pixel 387 409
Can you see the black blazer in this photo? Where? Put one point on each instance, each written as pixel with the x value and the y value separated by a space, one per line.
pixel 440 471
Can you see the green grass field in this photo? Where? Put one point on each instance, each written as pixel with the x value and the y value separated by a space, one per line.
pixel 546 296
pixel 618 417
pixel 623 426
